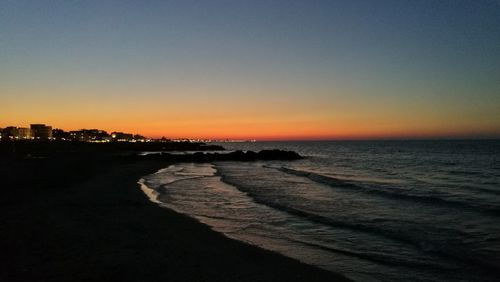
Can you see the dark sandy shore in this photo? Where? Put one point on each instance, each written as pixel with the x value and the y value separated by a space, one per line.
pixel 84 218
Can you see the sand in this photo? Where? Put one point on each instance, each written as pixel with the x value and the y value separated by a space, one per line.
pixel 84 218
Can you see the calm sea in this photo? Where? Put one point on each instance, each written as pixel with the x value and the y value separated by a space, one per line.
pixel 371 210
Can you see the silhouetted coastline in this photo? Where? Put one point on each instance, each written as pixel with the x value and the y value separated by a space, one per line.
pixel 27 148
pixel 74 211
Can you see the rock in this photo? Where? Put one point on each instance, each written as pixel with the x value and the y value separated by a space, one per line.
pixel 233 156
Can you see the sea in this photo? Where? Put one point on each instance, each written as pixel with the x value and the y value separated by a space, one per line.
pixel 423 210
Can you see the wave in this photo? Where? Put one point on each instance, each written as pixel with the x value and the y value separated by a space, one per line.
pixel 463 172
pixel 394 193
pixel 176 173
pixel 316 218
pixel 484 190
pixel 458 252
pixel 152 194
pixel 455 251
pixel 377 258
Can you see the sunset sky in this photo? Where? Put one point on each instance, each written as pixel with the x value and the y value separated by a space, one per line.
pixel 253 69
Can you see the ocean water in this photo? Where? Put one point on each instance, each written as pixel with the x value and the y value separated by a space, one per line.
pixel 371 210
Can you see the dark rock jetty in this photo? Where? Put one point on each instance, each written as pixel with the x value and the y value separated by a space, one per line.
pixel 232 156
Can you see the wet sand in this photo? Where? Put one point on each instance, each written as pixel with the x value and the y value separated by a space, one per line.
pixel 84 218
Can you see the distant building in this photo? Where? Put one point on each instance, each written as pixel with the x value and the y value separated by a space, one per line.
pixel 41 131
pixel 139 138
pixel 90 135
pixel 10 132
pixel 122 137
pixel 24 133
pixel 13 132
pixel 59 134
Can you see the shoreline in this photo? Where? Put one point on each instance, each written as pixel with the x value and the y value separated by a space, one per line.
pixel 103 227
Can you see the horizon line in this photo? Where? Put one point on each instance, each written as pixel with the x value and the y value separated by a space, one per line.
pixel 403 137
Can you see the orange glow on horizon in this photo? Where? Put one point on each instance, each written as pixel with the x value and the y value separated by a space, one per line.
pixel 275 131
pixel 278 117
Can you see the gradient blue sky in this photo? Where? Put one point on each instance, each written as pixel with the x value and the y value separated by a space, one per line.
pixel 254 69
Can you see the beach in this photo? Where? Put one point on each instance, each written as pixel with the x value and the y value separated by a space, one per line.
pixel 83 217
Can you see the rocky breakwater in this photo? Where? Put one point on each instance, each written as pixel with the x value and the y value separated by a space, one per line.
pixel 246 156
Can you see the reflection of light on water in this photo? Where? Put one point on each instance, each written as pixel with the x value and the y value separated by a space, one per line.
pixel 196 190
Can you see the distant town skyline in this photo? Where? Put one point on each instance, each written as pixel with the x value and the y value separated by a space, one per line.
pixel 40 131
pixel 47 132
pixel 266 70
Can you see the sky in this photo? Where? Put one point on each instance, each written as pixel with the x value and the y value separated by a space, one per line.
pixel 266 70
